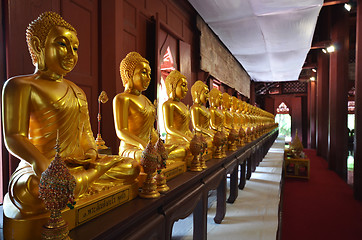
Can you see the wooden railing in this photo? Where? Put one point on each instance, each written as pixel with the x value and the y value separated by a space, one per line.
pixel 154 218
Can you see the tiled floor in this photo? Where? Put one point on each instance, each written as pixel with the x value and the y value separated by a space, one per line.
pixel 254 214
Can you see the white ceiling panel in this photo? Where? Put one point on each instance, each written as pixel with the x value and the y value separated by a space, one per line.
pixel 233 34
pixel 270 38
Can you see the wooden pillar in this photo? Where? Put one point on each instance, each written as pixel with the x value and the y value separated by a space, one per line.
pixel 357 175
pixel 322 103
pixel 312 114
pixel 252 92
pixel 112 53
pixel 338 82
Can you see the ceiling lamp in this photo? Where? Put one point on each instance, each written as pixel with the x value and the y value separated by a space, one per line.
pixel 348 7
pixel 331 48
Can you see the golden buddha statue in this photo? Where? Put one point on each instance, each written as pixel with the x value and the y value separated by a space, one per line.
pixel 226 104
pixel 217 121
pixel 216 115
pixel 240 110
pixel 34 107
pixel 229 122
pixel 176 116
pixel 234 109
pixel 296 146
pixel 134 114
pixel 200 115
pixel 237 119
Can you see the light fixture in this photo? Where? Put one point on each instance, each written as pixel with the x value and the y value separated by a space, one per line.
pixel 312 78
pixel 347 6
pixel 314 70
pixel 331 48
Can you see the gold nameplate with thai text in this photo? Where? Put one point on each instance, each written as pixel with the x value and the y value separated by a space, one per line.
pixel 96 205
pixel 177 168
pixel 91 211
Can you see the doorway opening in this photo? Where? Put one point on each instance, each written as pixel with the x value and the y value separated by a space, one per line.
pixel 284 120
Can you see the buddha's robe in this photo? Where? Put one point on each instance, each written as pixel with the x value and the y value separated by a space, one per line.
pixel 181 121
pixel 203 117
pixel 140 122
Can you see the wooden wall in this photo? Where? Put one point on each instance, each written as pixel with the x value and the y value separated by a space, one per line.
pixel 144 26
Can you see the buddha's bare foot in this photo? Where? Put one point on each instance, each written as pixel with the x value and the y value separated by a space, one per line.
pixel 104 163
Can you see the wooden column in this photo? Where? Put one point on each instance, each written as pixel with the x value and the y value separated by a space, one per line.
pixel 338 136
pixel 252 92
pixel 322 103
pixel 357 175
pixel 111 39
pixel 312 114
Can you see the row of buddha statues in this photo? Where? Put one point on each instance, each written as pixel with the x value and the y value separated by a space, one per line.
pixel 37 106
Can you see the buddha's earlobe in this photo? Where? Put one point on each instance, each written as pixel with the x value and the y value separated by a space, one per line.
pixel 35 44
pixel 130 80
pixel 172 94
pixel 38 50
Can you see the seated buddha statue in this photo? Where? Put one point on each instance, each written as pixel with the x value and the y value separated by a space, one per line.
pixel 217 121
pixel 200 115
pixel 134 114
pixel 216 115
pixel 226 104
pixel 243 109
pixel 229 122
pixel 176 116
pixel 234 109
pixel 36 107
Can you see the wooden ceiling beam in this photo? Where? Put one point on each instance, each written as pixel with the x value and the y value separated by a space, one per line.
pixel 332 2
pixel 321 44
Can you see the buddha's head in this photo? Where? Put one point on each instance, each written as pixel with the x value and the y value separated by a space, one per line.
pixel 215 97
pixel 52 43
pixel 135 72
pixel 226 100
pixel 199 92
pixel 176 85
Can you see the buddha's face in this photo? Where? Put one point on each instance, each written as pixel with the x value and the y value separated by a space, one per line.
pixel 60 51
pixel 141 76
pixel 204 95
pixel 181 88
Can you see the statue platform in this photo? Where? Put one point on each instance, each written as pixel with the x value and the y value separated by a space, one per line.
pixel 86 208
